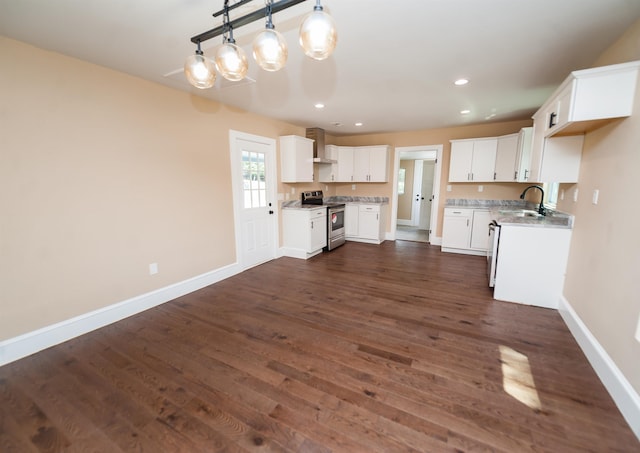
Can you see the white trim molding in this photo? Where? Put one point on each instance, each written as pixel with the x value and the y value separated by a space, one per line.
pixel 29 343
pixel 623 394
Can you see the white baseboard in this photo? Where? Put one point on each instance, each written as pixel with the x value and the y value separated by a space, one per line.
pixel 23 345
pixel 297 253
pixel 623 394
pixel 435 240
pixel 404 222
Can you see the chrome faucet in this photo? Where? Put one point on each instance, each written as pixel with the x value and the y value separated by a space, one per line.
pixel 541 209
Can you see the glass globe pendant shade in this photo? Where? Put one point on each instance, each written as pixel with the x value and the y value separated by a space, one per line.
pixel 318 35
pixel 200 71
pixel 231 61
pixel 270 50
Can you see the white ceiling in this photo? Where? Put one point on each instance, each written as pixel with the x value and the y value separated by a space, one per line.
pixel 393 68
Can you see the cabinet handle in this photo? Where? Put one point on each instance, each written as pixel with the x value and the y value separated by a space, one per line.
pixel 467 222
pixel 377 217
pixel 526 175
pixel 552 119
pixel 515 175
pixel 494 175
pixel 312 224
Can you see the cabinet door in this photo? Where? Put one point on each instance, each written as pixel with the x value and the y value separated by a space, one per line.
pixel 480 230
pixel 506 154
pixel 561 159
pixel 379 164
pixel 351 214
pixel 484 160
pixel 523 161
pixel 369 222
pixel 460 163
pixel 318 233
pixel 345 164
pixel 456 229
pixel 361 164
pixel 296 159
pixel 329 172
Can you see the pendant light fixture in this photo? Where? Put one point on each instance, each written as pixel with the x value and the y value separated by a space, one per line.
pixel 231 60
pixel 318 35
pixel 318 39
pixel 269 47
pixel 199 70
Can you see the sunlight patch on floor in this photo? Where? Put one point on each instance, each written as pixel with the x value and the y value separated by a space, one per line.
pixel 517 379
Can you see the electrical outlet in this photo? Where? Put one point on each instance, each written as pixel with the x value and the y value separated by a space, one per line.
pixel 353 187
pixel 480 188
pixel 596 194
pixel 562 194
pixel 575 195
pixel 293 191
pixel 153 268
pixel 449 188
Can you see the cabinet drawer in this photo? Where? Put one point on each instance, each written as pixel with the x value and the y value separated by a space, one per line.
pixel 369 208
pixel 455 212
pixel 318 213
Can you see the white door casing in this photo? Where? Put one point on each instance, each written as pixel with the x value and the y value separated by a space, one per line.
pixel 253 176
pixel 415 152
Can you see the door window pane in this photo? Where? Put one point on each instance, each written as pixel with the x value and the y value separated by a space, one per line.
pixel 254 180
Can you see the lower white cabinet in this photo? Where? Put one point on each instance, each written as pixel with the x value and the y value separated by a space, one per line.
pixel 465 230
pixel 531 265
pixel 304 231
pixel 365 223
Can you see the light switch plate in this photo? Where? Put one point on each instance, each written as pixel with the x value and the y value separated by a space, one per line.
pixel 575 195
pixel 596 194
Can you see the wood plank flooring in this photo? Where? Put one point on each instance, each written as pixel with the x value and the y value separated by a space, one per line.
pixel 388 348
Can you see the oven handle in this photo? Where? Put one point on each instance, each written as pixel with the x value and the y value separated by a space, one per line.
pixel 492 226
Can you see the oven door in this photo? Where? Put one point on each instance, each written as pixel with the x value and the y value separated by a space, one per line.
pixel 492 252
pixel 335 227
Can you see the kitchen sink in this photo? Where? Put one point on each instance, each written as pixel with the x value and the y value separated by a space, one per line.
pixel 520 213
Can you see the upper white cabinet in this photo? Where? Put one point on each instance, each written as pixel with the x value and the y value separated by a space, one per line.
pixel 358 164
pixel 473 160
pixel 329 172
pixel 506 155
pixel 296 159
pixel 589 98
pixel 371 163
pixel 556 159
pixel 523 159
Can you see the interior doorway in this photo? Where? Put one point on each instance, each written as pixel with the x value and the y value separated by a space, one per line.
pixel 416 186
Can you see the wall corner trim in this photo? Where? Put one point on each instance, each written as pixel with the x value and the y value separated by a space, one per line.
pixel 29 343
pixel 623 394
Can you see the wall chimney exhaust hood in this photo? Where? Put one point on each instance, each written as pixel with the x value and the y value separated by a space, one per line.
pixel 317 135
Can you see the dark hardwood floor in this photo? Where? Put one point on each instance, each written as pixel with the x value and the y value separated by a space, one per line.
pixel 388 348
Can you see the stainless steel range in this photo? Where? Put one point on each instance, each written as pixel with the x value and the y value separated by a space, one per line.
pixel 335 217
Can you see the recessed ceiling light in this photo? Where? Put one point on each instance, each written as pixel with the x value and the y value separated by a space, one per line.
pixel 465 112
pixel 461 82
pixel 358 124
pixel 319 105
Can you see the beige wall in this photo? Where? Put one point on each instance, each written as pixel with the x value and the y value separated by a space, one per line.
pixel 603 275
pixel 102 174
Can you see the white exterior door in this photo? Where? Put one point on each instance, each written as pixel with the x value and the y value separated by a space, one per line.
pixel 254 187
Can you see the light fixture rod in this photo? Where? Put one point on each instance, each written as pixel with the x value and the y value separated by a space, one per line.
pixel 232 7
pixel 244 20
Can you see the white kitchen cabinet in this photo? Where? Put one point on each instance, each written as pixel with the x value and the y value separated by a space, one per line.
pixel 296 159
pixel 473 160
pixel 465 230
pixel 589 98
pixel 371 223
pixel 523 159
pixel 329 172
pixel 351 214
pixel 531 265
pixel 371 163
pixel 480 230
pixel 345 164
pixel 555 159
pixel 304 231
pixel 506 156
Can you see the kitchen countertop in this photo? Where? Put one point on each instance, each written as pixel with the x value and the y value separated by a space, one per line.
pixel 553 219
pixel 297 204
